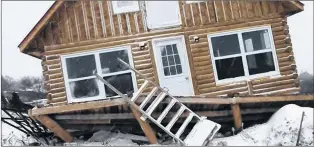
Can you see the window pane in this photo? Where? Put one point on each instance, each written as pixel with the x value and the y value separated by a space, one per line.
pixel 109 62
pixel 163 51
pixel 121 82
pixel 175 50
pixel 171 60
pixel 173 70
pixel 166 71
pixel 229 68
pixel 84 88
pixel 260 63
pixel 164 61
pixel 177 59
pixel 169 50
pixel 179 69
pixel 83 66
pixel 257 40
pixel 225 45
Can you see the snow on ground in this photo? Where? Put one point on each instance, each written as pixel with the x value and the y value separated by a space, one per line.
pixel 280 130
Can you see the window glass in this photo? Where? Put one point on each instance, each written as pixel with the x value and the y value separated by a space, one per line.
pixel 256 40
pixel 109 62
pixel 225 45
pixel 260 63
pixel 229 68
pixel 83 66
pixel 84 88
pixel 122 82
pixel 171 60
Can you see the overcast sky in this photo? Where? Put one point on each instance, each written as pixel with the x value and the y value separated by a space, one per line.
pixel 19 17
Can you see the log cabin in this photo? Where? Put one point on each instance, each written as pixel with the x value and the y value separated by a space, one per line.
pixel 198 50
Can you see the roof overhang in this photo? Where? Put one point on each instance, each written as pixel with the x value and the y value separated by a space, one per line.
pixel 293 7
pixel 40 25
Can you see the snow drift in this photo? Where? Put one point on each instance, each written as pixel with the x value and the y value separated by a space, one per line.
pixel 280 130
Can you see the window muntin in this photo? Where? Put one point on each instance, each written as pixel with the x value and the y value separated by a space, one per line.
pixel 243 54
pixel 79 69
pixel 171 60
pixel 124 6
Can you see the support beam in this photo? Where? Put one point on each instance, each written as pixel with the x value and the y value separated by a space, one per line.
pixel 147 129
pixel 236 112
pixel 55 127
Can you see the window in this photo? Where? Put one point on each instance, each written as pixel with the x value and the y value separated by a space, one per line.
pixel 244 54
pixel 124 6
pixel 171 60
pixel 82 85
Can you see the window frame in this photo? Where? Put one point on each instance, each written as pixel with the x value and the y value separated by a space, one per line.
pixel 127 9
pixel 243 54
pixel 101 86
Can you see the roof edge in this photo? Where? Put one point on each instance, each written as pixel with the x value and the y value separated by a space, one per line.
pixel 40 25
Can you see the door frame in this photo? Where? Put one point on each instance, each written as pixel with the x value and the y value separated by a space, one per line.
pixel 185 53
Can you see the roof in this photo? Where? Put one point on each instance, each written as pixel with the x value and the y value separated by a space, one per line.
pixel 294 7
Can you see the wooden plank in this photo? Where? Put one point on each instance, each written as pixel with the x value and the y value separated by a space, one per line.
pixel 257 8
pixel 188 15
pixel 227 10
pixel 55 127
pixel 243 8
pixel 196 14
pixel 250 9
pixel 235 9
pixel 147 129
pixel 219 11
pixel 212 11
pixel 265 7
pixel 105 10
pixel 204 13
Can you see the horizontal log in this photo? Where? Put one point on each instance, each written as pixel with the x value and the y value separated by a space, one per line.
pixel 50 62
pixel 201 72
pixel 199 45
pixel 287 63
pixel 200 68
pixel 57 90
pixel 222 88
pixel 143 66
pixel 268 80
pixel 284 59
pixel 202 63
pixel 205 76
pixel 55 76
pixel 286 92
pixel 56 85
pixel 229 91
pixel 54 66
pixel 208 85
pixel 281 37
pixel 84 122
pixel 60 94
pixel 197 50
pixel 284 50
pixel 286 54
pixel 136 49
pixel 58 104
pixel 283 41
pixel 285 68
pixel 54 71
pixel 197 54
pixel 53 57
pixel 205 81
pixel 141 52
pixel 144 57
pixel 274 84
pixel 54 81
pixel 283 45
pixel 57 100
pixel 289 72
pixel 283 32
pixel 138 62
pixel 149 70
pixel 281 87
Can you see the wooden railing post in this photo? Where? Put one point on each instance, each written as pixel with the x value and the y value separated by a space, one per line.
pixel 237 118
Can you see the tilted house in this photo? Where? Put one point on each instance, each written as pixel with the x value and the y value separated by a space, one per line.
pixel 194 48
pixel 198 50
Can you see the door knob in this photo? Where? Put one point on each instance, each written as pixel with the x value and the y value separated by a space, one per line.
pixel 187 78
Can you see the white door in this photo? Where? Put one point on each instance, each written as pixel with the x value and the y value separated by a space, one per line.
pixel 172 65
pixel 161 14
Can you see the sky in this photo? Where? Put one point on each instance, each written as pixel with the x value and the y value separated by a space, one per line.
pixel 19 17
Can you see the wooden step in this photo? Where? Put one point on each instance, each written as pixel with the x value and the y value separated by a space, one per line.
pixel 149 96
pixel 175 118
pixel 139 91
pixel 167 109
pixel 184 125
pixel 154 104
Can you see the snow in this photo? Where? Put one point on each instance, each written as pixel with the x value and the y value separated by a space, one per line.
pixel 281 129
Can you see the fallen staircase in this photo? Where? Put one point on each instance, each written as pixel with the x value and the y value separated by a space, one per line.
pixel 202 132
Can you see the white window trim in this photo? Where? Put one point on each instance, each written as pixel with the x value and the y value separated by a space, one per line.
pixel 101 86
pixel 126 9
pixel 243 54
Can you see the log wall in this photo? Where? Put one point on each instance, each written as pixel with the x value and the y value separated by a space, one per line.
pixel 90 25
